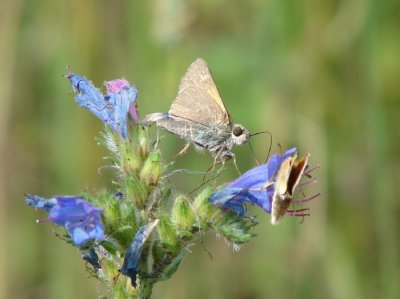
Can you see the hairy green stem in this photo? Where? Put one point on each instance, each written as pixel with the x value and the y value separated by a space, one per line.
pixel 145 288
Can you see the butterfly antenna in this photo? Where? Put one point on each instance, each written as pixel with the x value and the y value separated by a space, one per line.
pixel 270 142
pixel 182 151
pixel 254 155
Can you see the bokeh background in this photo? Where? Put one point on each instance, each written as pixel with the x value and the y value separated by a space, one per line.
pixel 321 75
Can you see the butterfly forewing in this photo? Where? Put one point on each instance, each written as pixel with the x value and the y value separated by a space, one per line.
pixel 286 181
pixel 296 173
pixel 198 99
pixel 283 175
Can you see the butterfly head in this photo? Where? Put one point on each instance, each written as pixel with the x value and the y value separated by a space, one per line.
pixel 240 134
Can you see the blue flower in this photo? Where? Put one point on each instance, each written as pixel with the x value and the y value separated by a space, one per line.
pixel 81 219
pixel 270 186
pixel 130 267
pixel 113 108
pixel 90 256
pixel 40 203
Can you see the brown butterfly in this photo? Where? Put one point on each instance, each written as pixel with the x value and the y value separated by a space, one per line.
pixel 286 181
pixel 199 116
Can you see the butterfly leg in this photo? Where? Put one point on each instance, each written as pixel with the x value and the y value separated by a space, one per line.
pixel 222 161
pixel 234 163
pixel 226 155
pixel 221 157
pixel 211 169
pixel 216 161
pixel 267 184
pixel 182 151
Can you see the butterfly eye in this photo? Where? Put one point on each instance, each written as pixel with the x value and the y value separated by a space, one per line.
pixel 237 131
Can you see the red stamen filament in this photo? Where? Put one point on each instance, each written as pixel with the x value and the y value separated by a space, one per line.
pixel 297 210
pixel 312 181
pixel 308 171
pixel 42 220
pixel 300 201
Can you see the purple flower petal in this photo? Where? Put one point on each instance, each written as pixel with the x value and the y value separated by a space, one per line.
pixel 230 198
pixel 90 256
pixel 121 102
pixel 40 202
pixel 134 113
pixel 115 86
pixel 258 176
pixel 251 187
pixel 130 267
pixel 89 97
pixel 81 219
pixel 113 108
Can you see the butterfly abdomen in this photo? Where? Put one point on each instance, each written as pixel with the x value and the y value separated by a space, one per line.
pixel 279 207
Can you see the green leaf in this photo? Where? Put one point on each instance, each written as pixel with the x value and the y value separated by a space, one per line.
pixel 173 266
pixel 110 247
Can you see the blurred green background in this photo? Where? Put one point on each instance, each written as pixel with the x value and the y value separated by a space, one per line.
pixel 321 75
